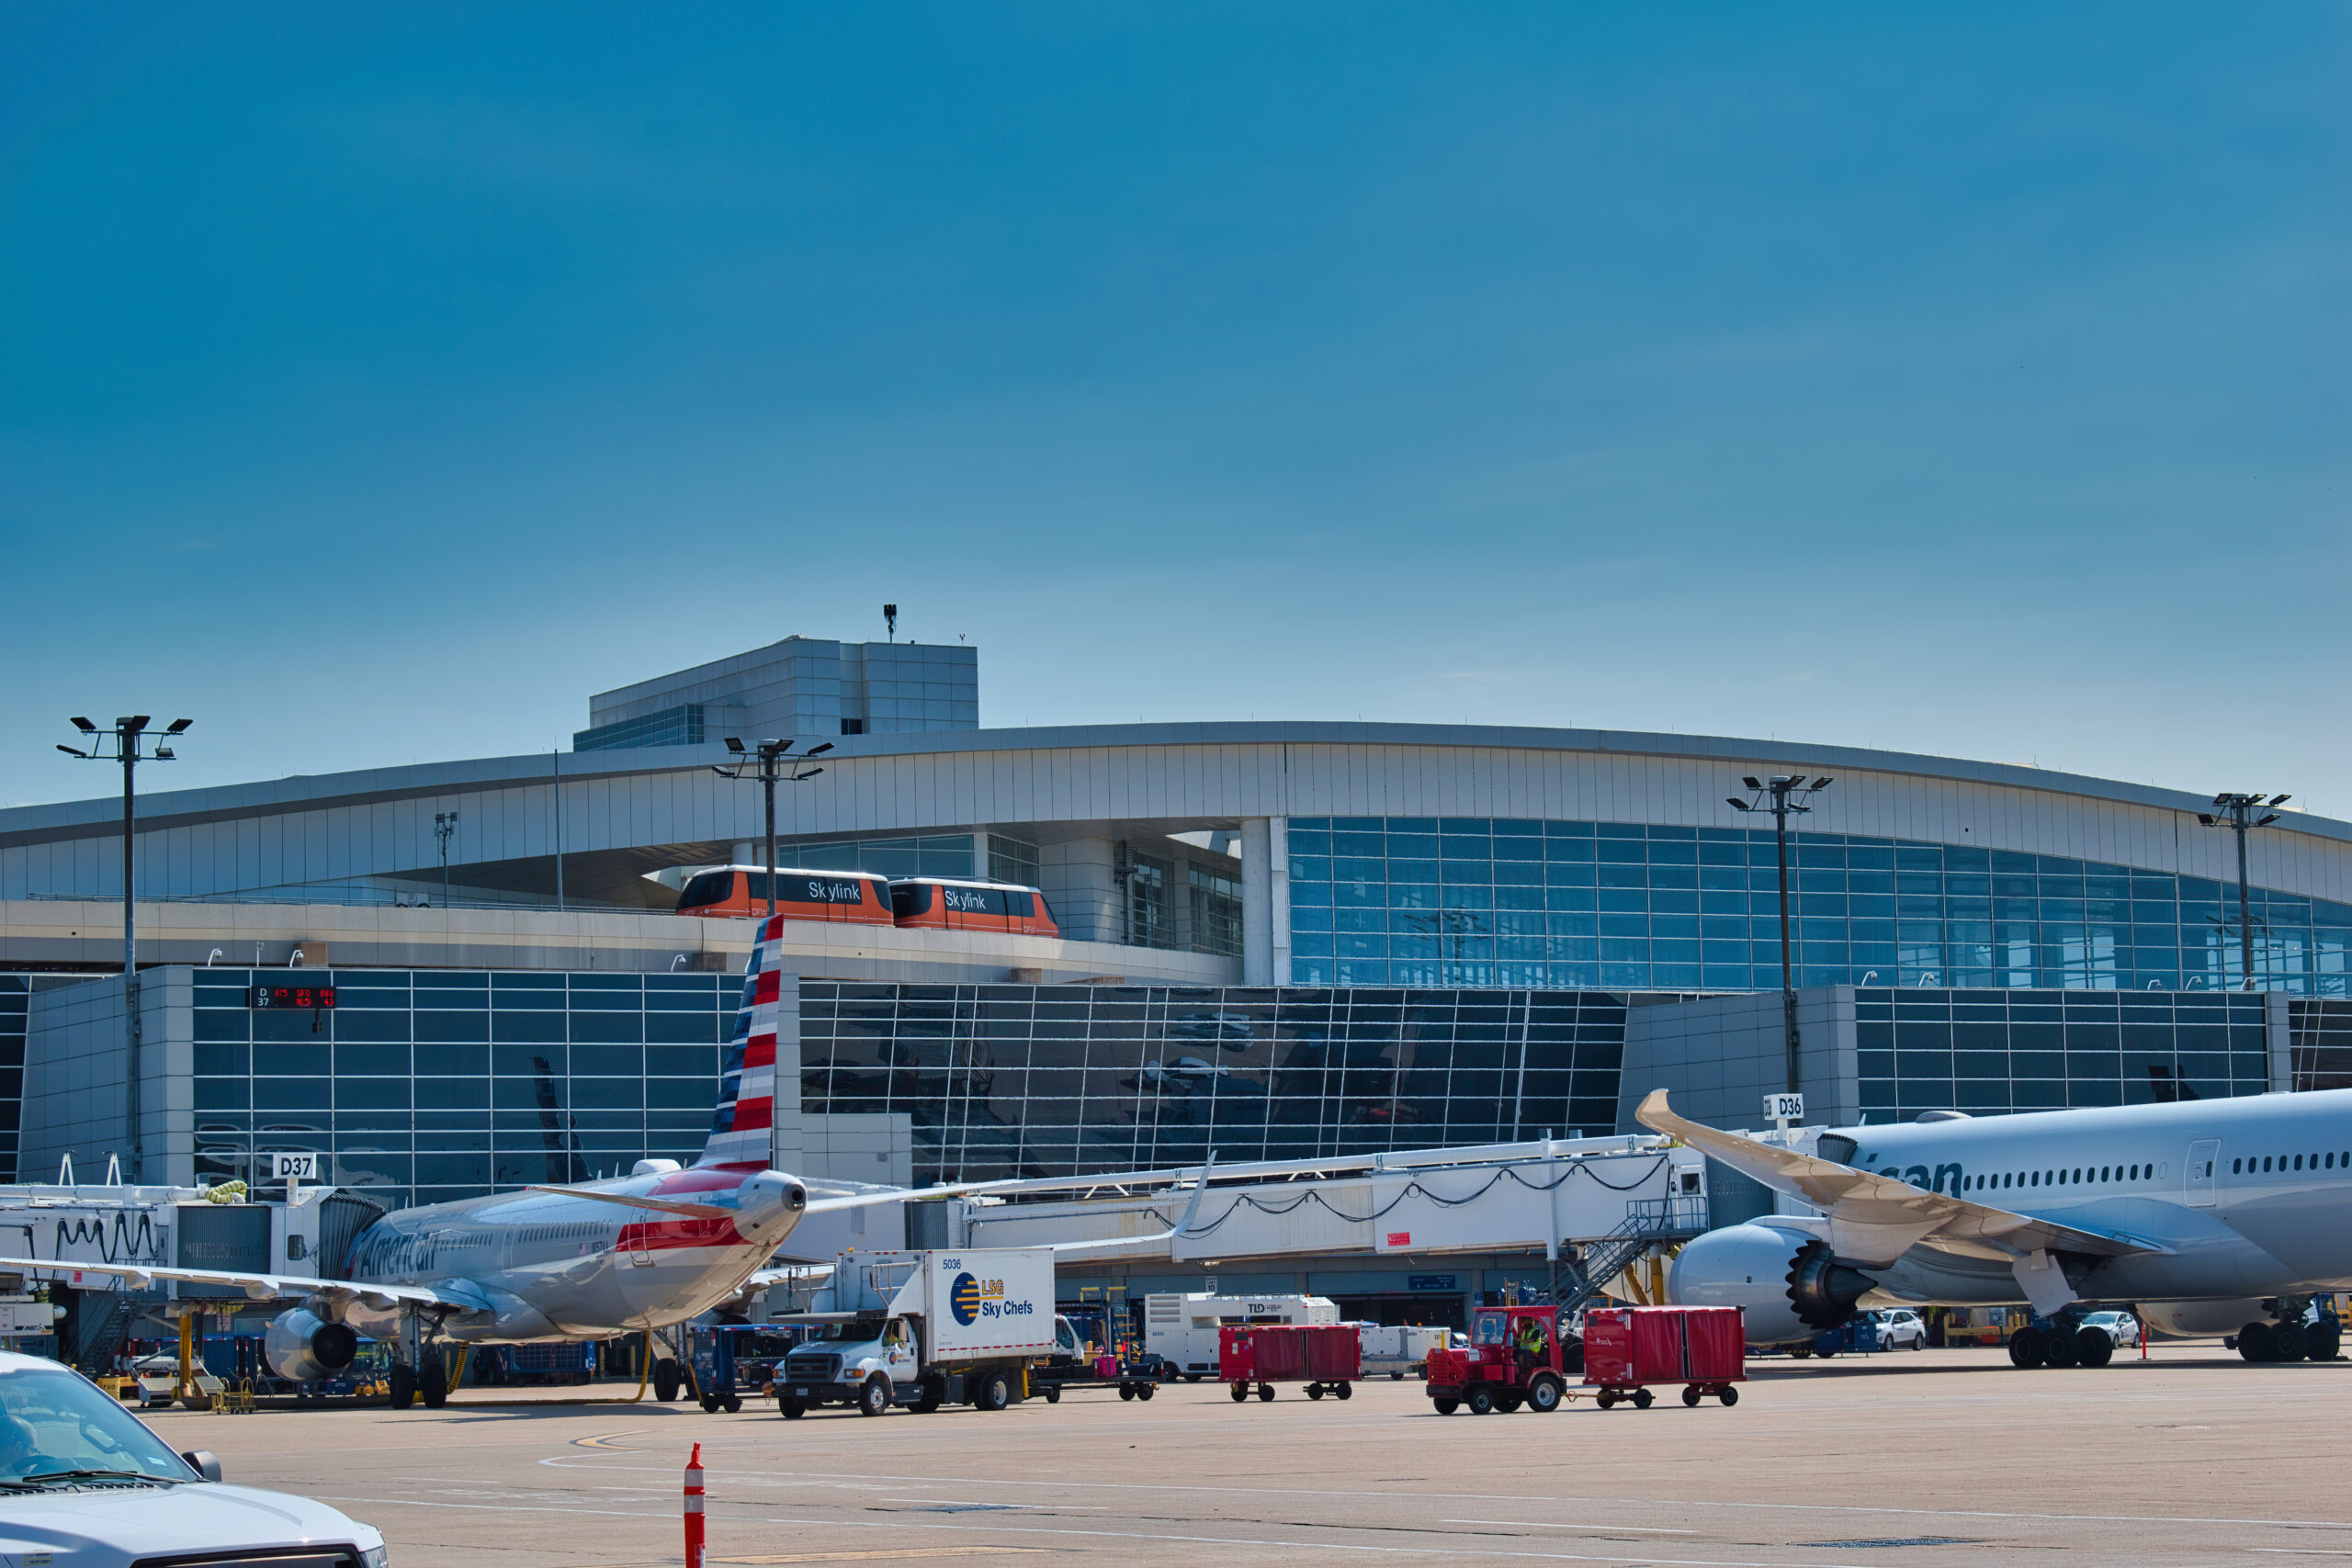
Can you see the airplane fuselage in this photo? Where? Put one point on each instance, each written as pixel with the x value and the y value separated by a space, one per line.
pixel 2245 1198
pixel 550 1266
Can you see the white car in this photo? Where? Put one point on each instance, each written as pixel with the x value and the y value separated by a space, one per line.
pixel 1900 1328
pixel 84 1482
pixel 2120 1328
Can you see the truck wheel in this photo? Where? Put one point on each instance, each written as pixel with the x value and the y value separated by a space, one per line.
pixel 1482 1402
pixel 995 1392
pixel 1053 1393
pixel 1191 1377
pixel 1146 1391
pixel 734 1405
pixel 1127 1391
pixel 1642 1399
pixel 1446 1407
pixel 1728 1394
pixel 1543 1395
pixel 874 1397
pixel 934 1394
pixel 710 1405
pixel 1606 1399
pixel 1690 1394
pixel 1265 1390
pixel 1315 1391
pixel 1344 1390
pixel 791 1409
pixel 667 1379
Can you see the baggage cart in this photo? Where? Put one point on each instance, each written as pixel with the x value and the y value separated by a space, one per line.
pixel 1628 1348
pixel 1327 1359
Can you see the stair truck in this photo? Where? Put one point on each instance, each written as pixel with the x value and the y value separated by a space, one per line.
pixel 917 1330
pixel 1516 1356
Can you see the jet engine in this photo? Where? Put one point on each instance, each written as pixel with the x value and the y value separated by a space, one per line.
pixel 1786 1281
pixel 305 1347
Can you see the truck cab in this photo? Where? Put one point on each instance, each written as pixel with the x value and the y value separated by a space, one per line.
pixel 917 1330
pixel 1517 1355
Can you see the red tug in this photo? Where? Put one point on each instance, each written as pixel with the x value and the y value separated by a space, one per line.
pixel 1513 1359
pixel 1517 1357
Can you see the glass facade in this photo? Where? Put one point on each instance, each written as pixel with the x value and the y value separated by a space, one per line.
pixel 1216 912
pixel 15 1002
pixel 1057 1080
pixel 422 1085
pixel 1476 901
pixel 936 854
pixel 1991 1052
pixel 2319 1036
pixel 681 726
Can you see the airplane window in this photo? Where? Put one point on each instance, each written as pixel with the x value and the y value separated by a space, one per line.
pixel 2235 1166
pixel 2327 1162
pixel 2035 1181
pixel 2103 1173
pixel 2078 1175
pixel 2265 1162
pixel 2299 1162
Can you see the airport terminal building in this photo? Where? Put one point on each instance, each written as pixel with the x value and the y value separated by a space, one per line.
pixel 1278 940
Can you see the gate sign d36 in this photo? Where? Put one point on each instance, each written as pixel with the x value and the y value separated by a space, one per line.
pixel 1784 1108
pixel 294 1167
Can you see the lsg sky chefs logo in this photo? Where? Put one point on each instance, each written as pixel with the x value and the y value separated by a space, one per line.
pixel 971 1300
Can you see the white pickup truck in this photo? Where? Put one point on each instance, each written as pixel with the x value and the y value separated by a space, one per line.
pixel 919 1330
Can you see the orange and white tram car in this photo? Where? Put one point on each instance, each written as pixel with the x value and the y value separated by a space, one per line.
pixel 946 903
pixel 741 893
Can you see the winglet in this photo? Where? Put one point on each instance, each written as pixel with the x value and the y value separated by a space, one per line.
pixel 1192 1209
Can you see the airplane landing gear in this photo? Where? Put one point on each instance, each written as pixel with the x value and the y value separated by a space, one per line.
pixel 435 1382
pixel 668 1380
pixel 402 1380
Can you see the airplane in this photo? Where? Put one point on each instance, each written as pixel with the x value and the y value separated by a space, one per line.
pixel 644 1252
pixel 2206 1214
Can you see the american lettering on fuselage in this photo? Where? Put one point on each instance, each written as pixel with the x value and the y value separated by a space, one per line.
pixel 2209 1213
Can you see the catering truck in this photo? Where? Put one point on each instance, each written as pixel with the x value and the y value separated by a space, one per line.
pixel 919 1330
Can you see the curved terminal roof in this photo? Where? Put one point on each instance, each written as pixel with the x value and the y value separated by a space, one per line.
pixel 627 810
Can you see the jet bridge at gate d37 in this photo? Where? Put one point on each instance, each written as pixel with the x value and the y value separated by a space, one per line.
pixel 1491 1197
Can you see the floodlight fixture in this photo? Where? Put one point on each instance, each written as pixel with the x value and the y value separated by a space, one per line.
pixel 71 752
pixel 2236 811
pixel 735 744
pixel 1784 796
pixel 134 724
pixel 177 726
pixel 1738 804
pixel 820 751
pixel 84 725
pixel 1751 783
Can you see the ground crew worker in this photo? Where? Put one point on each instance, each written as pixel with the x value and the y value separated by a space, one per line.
pixel 1531 1342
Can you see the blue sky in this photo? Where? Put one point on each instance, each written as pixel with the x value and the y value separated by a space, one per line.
pixel 377 382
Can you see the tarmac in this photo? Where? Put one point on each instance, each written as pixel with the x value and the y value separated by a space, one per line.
pixel 1935 1458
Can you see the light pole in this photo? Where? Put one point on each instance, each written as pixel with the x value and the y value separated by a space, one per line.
pixel 770 771
pixel 129 735
pixel 1787 798
pixel 444 824
pixel 2236 812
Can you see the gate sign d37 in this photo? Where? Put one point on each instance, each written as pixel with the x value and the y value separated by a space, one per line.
pixel 294 1167
pixel 1784 1108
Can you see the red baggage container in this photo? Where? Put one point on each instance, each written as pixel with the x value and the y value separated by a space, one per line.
pixel 1625 1348
pixel 1327 1359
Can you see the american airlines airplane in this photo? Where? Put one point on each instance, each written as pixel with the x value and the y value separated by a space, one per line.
pixel 646 1251
pixel 2209 1215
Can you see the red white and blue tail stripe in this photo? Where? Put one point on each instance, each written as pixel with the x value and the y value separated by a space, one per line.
pixel 741 1134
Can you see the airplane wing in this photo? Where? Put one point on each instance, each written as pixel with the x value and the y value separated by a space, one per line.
pixel 263 1287
pixel 1875 1219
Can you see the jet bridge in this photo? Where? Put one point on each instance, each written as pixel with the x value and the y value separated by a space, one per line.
pixel 1598 1201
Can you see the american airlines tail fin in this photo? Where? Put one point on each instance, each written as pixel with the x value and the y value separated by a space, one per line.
pixel 741 1134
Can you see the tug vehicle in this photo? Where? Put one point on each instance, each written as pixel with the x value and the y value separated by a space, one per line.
pixel 1516 1356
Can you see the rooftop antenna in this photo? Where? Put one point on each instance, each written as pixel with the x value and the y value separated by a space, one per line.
pixel 890 621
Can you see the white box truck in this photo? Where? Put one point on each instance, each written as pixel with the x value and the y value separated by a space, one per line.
pixel 1179 1338
pixel 1399 1352
pixel 923 1329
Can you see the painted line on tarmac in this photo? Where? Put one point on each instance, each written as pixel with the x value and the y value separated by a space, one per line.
pixel 808 1477
pixel 1555 1525
pixel 1483 1552
pixel 604 1441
